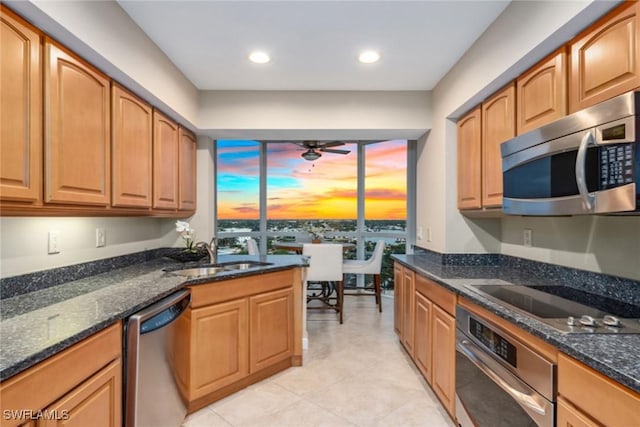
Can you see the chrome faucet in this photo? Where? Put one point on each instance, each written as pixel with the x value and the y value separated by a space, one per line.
pixel 212 249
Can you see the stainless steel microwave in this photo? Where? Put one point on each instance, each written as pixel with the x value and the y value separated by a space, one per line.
pixel 585 163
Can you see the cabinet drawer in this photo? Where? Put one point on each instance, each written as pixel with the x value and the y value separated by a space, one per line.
pixel 437 294
pixel 596 395
pixel 211 293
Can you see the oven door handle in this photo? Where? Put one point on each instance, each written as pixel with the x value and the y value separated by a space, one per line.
pixel 506 381
pixel 581 176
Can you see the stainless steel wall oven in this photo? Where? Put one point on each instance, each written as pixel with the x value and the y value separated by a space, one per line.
pixel 500 382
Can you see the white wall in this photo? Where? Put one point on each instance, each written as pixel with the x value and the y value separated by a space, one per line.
pixel 279 115
pixel 608 244
pixel 522 35
pixel 23 247
pixel 103 34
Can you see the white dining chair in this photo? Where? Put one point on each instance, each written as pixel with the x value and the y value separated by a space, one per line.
pixel 372 266
pixel 325 267
pixel 252 246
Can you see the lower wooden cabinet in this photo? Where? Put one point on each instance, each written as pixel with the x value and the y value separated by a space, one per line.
pixel 96 402
pixel 444 356
pixel 568 416
pixel 271 330
pixel 408 286
pixel 79 386
pixel 237 332
pixel 397 298
pixel 422 339
pixel 428 315
pixel 219 346
pixel 593 399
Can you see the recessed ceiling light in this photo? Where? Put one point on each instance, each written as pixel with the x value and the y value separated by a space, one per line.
pixel 259 57
pixel 369 57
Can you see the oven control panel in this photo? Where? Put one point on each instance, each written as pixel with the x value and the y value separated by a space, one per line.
pixel 493 342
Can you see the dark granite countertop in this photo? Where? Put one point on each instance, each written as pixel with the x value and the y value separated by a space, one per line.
pixel 39 324
pixel 616 356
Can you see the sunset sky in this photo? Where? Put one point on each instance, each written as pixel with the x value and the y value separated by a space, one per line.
pixel 300 189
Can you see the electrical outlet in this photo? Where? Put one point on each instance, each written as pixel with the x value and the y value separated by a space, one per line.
pixel 428 234
pixel 101 237
pixel 54 242
pixel 527 237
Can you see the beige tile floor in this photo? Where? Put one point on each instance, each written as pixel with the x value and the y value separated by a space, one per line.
pixel 354 374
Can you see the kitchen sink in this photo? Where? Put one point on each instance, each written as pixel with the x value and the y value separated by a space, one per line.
pixel 211 270
pixel 245 265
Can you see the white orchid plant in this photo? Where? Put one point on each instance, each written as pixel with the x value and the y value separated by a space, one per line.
pixel 316 230
pixel 188 234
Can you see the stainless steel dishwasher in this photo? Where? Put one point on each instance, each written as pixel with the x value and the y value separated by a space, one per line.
pixel 152 397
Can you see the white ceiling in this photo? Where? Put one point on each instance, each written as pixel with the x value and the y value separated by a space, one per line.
pixel 314 44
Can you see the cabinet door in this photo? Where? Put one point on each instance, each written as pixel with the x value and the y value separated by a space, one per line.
pixel 397 299
pixel 220 353
pixel 604 59
pixel 498 126
pixel 77 130
pixel 568 416
pixel 21 107
pixel 187 171
pixel 132 149
pixel 470 161
pixel 408 291
pixel 541 93
pixel 96 402
pixel 165 162
pixel 422 335
pixel 444 356
pixel 271 331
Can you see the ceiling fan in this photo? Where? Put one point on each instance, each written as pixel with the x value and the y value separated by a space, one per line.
pixel 314 149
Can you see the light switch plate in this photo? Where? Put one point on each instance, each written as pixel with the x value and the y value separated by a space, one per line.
pixel 101 237
pixel 527 237
pixel 54 242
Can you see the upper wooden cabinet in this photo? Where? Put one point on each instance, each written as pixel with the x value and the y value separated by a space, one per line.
pixel 132 149
pixel 541 93
pixel 470 160
pixel 604 58
pixel 498 126
pixel 187 171
pixel 77 123
pixel 165 162
pixel 21 106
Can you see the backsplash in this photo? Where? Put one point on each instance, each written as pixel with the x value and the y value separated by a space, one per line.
pixel 618 288
pixel 18 285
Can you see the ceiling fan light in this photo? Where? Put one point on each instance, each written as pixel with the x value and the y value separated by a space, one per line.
pixel 259 57
pixel 311 155
pixel 369 57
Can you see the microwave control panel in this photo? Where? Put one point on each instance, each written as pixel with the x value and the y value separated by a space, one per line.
pixel 616 165
pixel 493 342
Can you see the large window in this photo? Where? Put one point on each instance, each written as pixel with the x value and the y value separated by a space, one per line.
pixel 267 191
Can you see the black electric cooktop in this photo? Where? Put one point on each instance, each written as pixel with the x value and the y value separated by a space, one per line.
pixel 567 309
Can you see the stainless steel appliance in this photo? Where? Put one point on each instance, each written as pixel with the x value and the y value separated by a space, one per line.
pixel 151 395
pixel 500 382
pixel 585 163
pixel 567 309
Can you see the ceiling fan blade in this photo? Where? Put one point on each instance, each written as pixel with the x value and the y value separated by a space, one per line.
pixel 332 150
pixel 331 144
